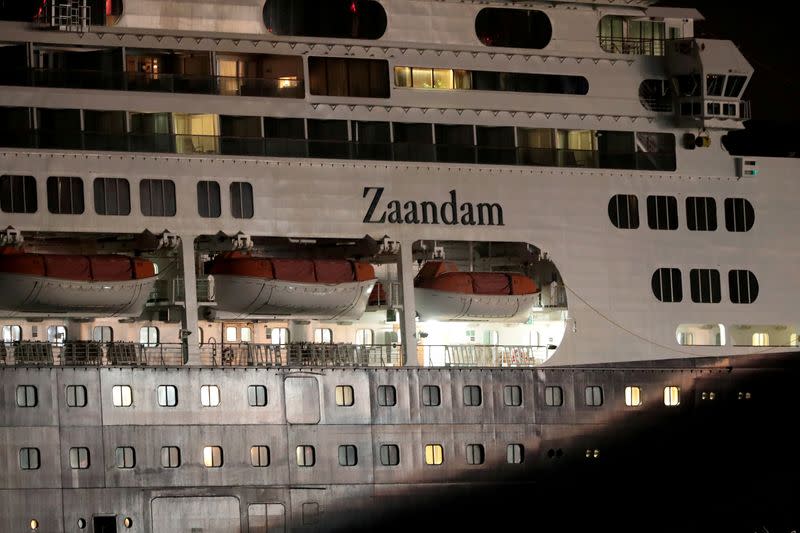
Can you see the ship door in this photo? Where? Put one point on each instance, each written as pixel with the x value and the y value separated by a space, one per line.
pixel 105 524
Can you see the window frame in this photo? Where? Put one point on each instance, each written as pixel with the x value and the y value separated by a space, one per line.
pixel 29 453
pixel 473 396
pixel 73 394
pixel 553 396
pixel 125 457
pixel 305 455
pixel 167 395
pixel 209 199
pixel 431 396
pixel 348 455
pixel 255 394
pixel 213 457
pixel 170 452
pixel 387 395
pixel 210 395
pixel 29 396
pixel 57 186
pixel 512 396
pixel 122 196
pixel 260 456
pixel 240 192
pixel 387 453
pixel 30 199
pixel 122 396
pixel 593 396
pixel 475 454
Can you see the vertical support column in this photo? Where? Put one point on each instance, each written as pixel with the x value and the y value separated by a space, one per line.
pixel 408 314
pixel 190 338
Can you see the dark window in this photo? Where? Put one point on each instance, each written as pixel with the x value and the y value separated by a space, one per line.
pixel 656 95
pixel 714 84
pixel 553 396
pixel 241 200
pixel 76 396
pixel 705 285
pixel 112 196
pixel 348 455
pixel 257 395
pixel 485 80
pixel 18 194
pixel 701 213
pixel 335 76
pixel 208 202
pixel 475 454
pixel 413 142
pixel 390 455
pixel 623 210
pixel 170 457
pixel 594 396
pixel 157 198
pixel 513 28
pixel 739 214
pixel 27 396
pixel 29 459
pixel 662 212
pixel 259 456
pixel 743 286
pixel 512 395
pixel 387 395
pixel 167 395
pixel 345 19
pixel 125 457
pixel 284 128
pixel 373 140
pixel 431 395
pixel 472 395
pixel 515 453
pixel 713 108
pixel 667 285
pixel 734 86
pixel 65 195
pixel 79 458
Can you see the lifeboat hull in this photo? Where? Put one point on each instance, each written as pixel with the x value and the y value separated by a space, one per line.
pixel 251 296
pixel 40 296
pixel 445 305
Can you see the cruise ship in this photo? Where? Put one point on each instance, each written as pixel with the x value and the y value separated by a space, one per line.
pixel 295 265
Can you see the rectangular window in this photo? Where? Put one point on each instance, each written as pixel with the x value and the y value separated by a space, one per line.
pixel 633 396
pixel 434 454
pixel 76 396
pixel 364 337
pixel 167 395
pixel 667 285
pixel 475 454
pixel 387 395
pixel 125 457
pixel 18 194
pixel 279 336
pixel 148 336
pixel 739 214
pixel 170 457
pixel 594 396
pixel 27 396
pixel 472 395
pixel 714 84
pixel 56 335
pixel 257 395
pixel 29 459
pixel 512 395
pixel 334 76
pixel 348 455
pixel 65 195
pixel 553 396
pixel 672 396
pixel 701 213
pixel 662 212
pixel 323 336
pixel 743 286
pixel 209 395
pixel 734 86
pixel 259 456
pixel 431 395
pixel 79 458
pixel 705 285
pixel 623 210
pixel 390 455
pixel 12 334
pixel 208 199
pixel 344 395
pixel 121 396
pixel 212 456
pixel 305 455
pixel 157 198
pixel 241 200
pixel 515 453
pixel 112 196
pixel 103 334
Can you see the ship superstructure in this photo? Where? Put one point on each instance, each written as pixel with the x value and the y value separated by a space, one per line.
pixel 268 263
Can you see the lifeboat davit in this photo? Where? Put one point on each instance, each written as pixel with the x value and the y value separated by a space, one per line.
pixel 322 289
pixel 444 293
pixel 52 285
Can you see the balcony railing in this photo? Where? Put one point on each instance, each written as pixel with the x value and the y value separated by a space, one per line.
pixel 326 149
pixel 635 46
pixel 280 87
pixel 479 355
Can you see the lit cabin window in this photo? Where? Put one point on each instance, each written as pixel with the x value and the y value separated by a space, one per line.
pixel 593 396
pixel 112 196
pixel 434 454
pixel 65 195
pixel 104 334
pixel 743 286
pixel 512 395
pixel 623 35
pixel 515 453
pixel 148 336
pixel 623 210
pixel 485 80
pixel 209 395
pixel 18 194
pixel 12 334
pixel 760 339
pixel 701 213
pixel 475 454
pixel 246 334
pixel 305 455
pixel 196 133
pixel 662 212
pixel 170 457
pixel 259 456
pixel 633 396
pixel 27 396
pixel 513 28
pixel 672 396
pixel 472 396
pixel 323 336
pixel 667 285
pixel 122 395
pixel 212 456
pixel 342 19
pixel 29 459
pixel 231 334
pixel 279 336
pixel 705 285
pixel 431 396
pixel 365 337
pixel 344 395
pixel 257 395
pixel 157 198
pixel 125 457
pixel 793 339
pixel 553 396
pixel 56 335
pixel 76 396
pixel 739 215
pixel 167 395
pixel 242 205
pixel 390 454
pixel 79 458
pixel 348 455
pixel 387 395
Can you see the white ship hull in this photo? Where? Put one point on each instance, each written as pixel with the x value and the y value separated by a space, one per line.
pixel 444 305
pixel 246 296
pixel 40 296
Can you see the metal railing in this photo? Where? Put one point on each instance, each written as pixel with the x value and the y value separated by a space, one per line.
pixel 303 148
pixel 301 354
pixel 635 46
pixel 480 355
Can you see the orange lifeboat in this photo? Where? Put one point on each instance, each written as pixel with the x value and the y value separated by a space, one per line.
pixel 301 288
pixel 444 293
pixel 58 285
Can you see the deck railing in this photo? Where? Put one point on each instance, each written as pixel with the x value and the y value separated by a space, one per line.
pixel 480 355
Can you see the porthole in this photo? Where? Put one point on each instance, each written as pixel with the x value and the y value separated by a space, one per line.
pixel 34 524
pixel 128 522
pixel 81 523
